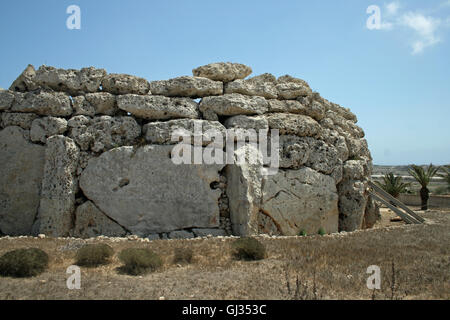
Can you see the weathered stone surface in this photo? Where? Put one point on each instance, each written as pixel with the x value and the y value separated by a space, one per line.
pixel 103 103
pixel 295 124
pixel 223 71
pixel 209 232
pixel 193 87
pixel 125 84
pixel 323 157
pixel 294 151
pixel 332 137
pixel 23 120
pixel 234 104
pixel 55 104
pixel 244 182
pixel 158 107
pixel 247 122
pixel 82 107
pixel 145 192
pixel 161 132
pixel 20 181
pixel 95 103
pixel 353 170
pixel 104 132
pixel 25 82
pixel 45 127
pixel 181 234
pixel 358 148
pixel 59 187
pixel 262 85
pixel 90 222
pixel 291 88
pixel 6 99
pixel 70 81
pixel 372 213
pixel 352 204
pixel 314 110
pixel 299 200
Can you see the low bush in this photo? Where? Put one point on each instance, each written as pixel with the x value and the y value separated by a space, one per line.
pixel 23 263
pixel 248 249
pixel 137 261
pixel 93 255
pixel 321 231
pixel 302 233
pixel 183 255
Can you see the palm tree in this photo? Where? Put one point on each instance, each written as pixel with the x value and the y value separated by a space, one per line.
pixel 446 175
pixel 423 177
pixel 393 185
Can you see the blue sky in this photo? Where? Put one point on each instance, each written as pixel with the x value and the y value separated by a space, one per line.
pixel 396 79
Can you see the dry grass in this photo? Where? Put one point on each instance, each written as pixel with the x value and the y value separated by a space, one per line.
pixel 327 267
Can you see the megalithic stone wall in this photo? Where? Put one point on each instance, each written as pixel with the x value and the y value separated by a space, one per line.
pixel 87 153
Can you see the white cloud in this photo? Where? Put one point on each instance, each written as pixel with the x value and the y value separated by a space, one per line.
pixel 424 27
pixel 392 8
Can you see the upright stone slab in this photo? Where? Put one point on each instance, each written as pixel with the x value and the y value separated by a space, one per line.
pixel 58 187
pixel 21 171
pixel 91 222
pixel 299 200
pixel 352 204
pixel 145 192
pixel 244 182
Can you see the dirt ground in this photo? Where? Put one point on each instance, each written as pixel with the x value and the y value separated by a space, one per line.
pixel 414 262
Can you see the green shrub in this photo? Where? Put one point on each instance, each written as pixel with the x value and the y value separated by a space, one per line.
pixel 138 261
pixel 22 263
pixel 183 255
pixel 93 255
pixel 248 249
pixel 321 231
pixel 302 233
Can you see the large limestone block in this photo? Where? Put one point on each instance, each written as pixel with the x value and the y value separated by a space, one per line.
pixel 59 186
pixel 90 222
pixel 244 183
pixel 23 120
pixel 43 128
pixel 371 214
pixel 25 82
pixel 294 151
pixel 162 132
pixel 352 204
pixel 193 87
pixel 291 88
pixel 234 104
pixel 71 81
pixel 20 181
pixel 299 200
pixel 247 122
pixel 294 124
pixel 262 85
pixel 104 132
pixel 55 104
pixel 158 107
pixel 314 110
pixel 125 84
pixel 223 71
pixel 354 170
pixel 102 102
pixel 145 192
pixel 6 99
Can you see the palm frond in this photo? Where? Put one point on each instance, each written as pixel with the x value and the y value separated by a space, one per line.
pixel 423 176
pixel 393 185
